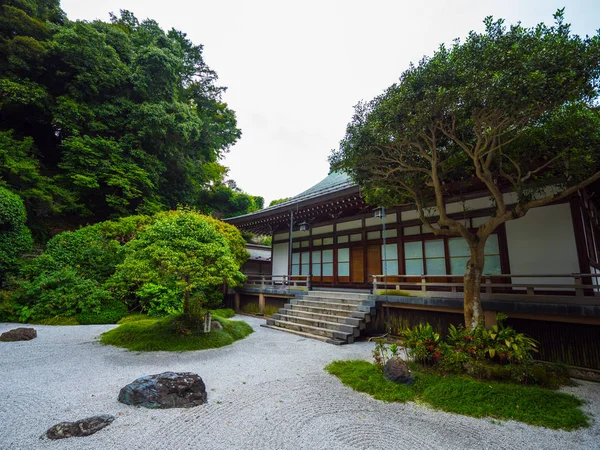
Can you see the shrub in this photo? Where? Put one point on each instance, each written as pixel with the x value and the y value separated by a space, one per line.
pixel 499 353
pixel 382 353
pixel 423 344
pixel 110 312
pixel 15 237
pixel 179 262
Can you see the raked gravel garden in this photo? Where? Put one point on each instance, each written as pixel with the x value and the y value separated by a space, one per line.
pixel 267 391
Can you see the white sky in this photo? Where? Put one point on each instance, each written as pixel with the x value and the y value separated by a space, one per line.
pixel 294 70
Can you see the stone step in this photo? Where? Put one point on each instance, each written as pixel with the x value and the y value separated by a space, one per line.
pixel 319 323
pixel 314 298
pixel 329 311
pixel 325 304
pixel 320 309
pixel 306 335
pixel 317 331
pixel 293 311
pixel 332 294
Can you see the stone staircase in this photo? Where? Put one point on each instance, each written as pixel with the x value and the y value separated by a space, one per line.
pixel 333 317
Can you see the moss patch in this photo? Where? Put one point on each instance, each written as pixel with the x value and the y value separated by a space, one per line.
pixel 467 396
pixel 168 334
pixel 58 320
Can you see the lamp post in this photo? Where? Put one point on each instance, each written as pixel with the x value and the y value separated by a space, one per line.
pixel 290 258
pixel 380 213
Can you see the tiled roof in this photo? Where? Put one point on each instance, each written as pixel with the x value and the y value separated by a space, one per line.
pixel 334 182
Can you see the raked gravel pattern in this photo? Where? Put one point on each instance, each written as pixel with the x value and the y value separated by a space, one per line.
pixel 268 391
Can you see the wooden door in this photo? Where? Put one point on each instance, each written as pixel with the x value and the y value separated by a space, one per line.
pixel 357 265
pixel 374 260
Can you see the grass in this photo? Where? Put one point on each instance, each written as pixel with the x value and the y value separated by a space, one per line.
pixel 226 313
pixel 467 396
pixel 58 320
pixel 168 334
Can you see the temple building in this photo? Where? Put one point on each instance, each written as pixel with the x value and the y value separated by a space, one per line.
pixel 328 243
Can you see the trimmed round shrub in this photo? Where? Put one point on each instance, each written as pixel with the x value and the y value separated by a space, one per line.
pixel 15 237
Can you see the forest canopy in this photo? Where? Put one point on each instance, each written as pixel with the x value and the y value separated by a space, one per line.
pixel 101 120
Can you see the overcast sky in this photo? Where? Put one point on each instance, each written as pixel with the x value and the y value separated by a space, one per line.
pixel 294 70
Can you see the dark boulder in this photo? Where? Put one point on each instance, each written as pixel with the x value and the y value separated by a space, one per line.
pixel 84 427
pixel 19 334
pixel 165 390
pixel 397 370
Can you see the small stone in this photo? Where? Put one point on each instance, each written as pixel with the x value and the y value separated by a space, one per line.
pixel 165 390
pixel 397 370
pixel 19 334
pixel 216 326
pixel 84 427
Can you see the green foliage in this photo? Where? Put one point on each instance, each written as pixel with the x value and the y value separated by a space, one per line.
pixel 463 395
pixel 110 312
pixel 278 201
pixel 177 262
pixel 133 318
pixel 141 262
pixel 165 335
pixel 423 344
pixel 57 321
pixel 59 292
pixel 499 353
pixel 363 376
pixel 110 119
pixel 15 237
pixel 382 353
pixel 225 313
pixel 511 106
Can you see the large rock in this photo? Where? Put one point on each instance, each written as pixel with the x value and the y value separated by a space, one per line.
pixel 19 334
pixel 83 427
pixel 397 370
pixel 165 390
pixel 215 326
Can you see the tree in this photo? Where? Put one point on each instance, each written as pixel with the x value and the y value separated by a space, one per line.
pixel 278 201
pixel 107 119
pixel 182 252
pixel 15 237
pixel 507 110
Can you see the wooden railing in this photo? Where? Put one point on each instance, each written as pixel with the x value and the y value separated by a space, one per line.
pixel 501 286
pixel 277 281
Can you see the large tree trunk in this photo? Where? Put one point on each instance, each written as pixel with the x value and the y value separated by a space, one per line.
pixel 472 286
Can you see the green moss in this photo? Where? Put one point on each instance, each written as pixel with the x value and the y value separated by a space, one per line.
pixel 395 292
pixel 363 376
pixel 464 395
pixel 58 320
pixel 170 334
pixel 226 313
pixel 134 318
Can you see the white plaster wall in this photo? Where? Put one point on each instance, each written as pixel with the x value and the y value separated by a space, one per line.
pixel 322 230
pixel 373 221
pixel 543 242
pixel 352 225
pixel 280 259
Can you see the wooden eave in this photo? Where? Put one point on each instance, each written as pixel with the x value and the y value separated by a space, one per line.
pixel 337 204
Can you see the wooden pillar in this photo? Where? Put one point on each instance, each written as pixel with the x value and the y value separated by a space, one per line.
pixel 236 301
pixel 261 303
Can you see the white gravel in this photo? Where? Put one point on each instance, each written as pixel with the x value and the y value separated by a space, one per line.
pixel 268 391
